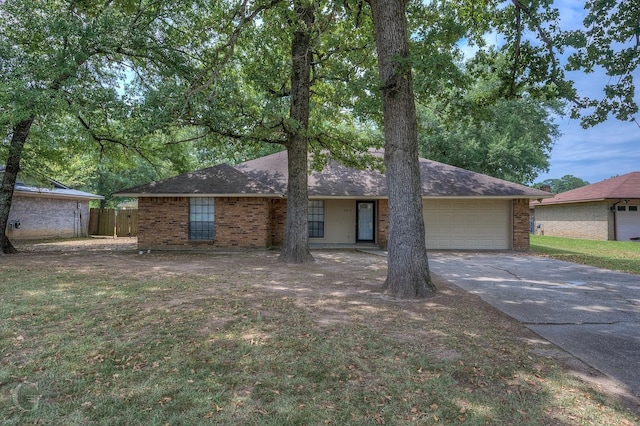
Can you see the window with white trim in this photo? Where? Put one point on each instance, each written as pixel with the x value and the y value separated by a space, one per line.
pixel 201 219
pixel 316 219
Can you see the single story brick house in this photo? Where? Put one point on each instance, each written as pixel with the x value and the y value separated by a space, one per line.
pixel 56 211
pixel 606 210
pixel 245 206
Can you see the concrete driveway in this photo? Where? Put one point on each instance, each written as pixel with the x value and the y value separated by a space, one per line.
pixel 594 314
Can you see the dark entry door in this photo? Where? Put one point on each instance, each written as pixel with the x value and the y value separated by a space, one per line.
pixel 365 220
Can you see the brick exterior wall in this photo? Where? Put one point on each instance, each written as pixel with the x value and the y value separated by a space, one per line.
pixel 278 220
pixel 383 224
pixel 245 222
pixel 520 225
pixel 42 217
pixel 242 222
pixel 591 221
pixel 163 222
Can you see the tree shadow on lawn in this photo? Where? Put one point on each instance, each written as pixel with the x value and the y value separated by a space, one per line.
pixel 240 338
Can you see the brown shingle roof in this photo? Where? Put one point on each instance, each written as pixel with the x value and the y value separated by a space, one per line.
pixel 442 180
pixel 218 180
pixel 336 180
pixel 620 187
pixel 268 176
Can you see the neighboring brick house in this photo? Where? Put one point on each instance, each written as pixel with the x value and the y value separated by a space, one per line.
pixel 607 210
pixel 245 206
pixel 52 212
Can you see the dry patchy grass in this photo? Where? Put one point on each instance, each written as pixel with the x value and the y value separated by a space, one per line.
pixel 110 337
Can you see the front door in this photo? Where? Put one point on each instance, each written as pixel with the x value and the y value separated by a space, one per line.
pixel 365 220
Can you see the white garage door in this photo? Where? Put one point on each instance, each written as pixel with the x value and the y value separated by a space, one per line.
pixel 627 222
pixel 467 224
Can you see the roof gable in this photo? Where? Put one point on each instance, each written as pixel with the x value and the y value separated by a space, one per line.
pixel 335 180
pixel 620 187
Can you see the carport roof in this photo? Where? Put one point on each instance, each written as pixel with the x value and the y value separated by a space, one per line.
pixel 267 176
pixel 623 187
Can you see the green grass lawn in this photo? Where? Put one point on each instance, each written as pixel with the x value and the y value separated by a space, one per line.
pixel 616 255
pixel 186 339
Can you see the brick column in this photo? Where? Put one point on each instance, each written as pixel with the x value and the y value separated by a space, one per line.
pixel 383 223
pixel 520 225
pixel 278 220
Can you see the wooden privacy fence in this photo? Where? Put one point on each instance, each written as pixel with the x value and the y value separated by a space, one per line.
pixel 113 222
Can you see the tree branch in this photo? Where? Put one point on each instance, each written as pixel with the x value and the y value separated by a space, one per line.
pixel 516 53
pixel 549 45
pixel 216 68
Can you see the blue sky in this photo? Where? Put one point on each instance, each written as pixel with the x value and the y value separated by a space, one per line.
pixel 608 149
pixel 597 153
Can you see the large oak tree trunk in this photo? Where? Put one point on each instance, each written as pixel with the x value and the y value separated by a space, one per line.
pixel 408 274
pixel 18 139
pixel 295 248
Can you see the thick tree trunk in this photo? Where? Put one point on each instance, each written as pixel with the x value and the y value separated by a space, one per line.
pixel 295 248
pixel 18 139
pixel 408 274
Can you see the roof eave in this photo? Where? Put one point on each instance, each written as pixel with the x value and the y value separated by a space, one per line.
pixel 33 194
pixel 329 196
pixel 346 197
pixel 192 195
pixel 591 200
pixel 488 197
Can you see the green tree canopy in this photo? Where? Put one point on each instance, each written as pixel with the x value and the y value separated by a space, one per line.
pixel 95 64
pixel 512 140
pixel 565 183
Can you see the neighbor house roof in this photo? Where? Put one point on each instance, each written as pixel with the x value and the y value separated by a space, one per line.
pixel 56 190
pixel 267 176
pixel 616 188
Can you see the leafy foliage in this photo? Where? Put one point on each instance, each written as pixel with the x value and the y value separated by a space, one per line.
pixel 130 90
pixel 511 141
pixel 565 183
pixel 610 41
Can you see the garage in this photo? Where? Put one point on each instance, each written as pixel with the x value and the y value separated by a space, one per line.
pixel 467 224
pixel 627 222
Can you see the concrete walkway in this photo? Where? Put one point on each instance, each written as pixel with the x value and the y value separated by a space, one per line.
pixel 594 314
